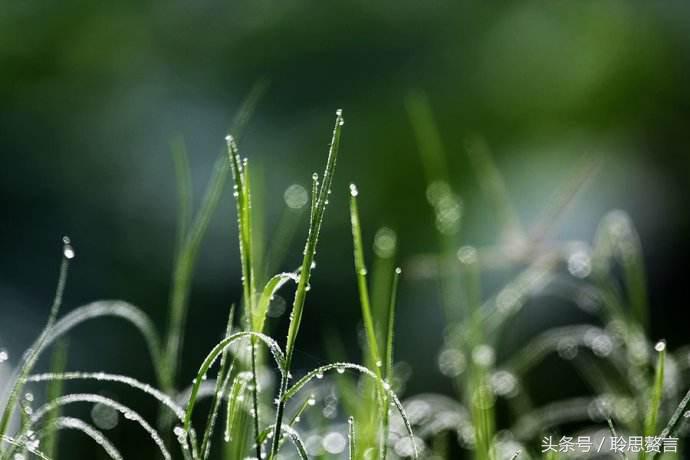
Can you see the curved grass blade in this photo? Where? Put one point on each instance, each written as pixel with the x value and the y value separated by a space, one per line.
pixel 340 367
pixel 71 423
pixel 126 412
pixel 161 397
pixel 54 390
pixel 272 286
pixel 215 353
pixel 31 355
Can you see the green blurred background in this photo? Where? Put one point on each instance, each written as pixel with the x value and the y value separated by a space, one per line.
pixel 92 93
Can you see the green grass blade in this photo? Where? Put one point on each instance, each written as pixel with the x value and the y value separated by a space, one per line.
pixel 657 391
pixel 31 355
pixel 351 439
pixel 272 286
pixel 361 272
pixel 391 324
pixel 305 272
pixel 57 365
pixel 221 383
pixel 213 355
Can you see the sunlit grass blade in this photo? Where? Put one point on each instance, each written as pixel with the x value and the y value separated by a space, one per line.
pixel 319 210
pixel 272 286
pixel 71 423
pixel 213 356
pixel 187 253
pixel 54 390
pixel 222 379
pixel 616 239
pixel 383 267
pixel 126 412
pixel 235 398
pixel 182 275
pixel 388 365
pixel 341 367
pixel 677 414
pixel 657 391
pixel 351 439
pixel 31 355
pixel 361 273
pixel 131 382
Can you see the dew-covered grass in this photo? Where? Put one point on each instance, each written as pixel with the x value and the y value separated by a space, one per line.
pixel 637 386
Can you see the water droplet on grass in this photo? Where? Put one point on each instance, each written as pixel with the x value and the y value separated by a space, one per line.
pixel 67 249
pixel 353 190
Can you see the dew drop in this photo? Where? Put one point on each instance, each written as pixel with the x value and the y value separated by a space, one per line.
pixel 660 346
pixel 353 190
pixel 67 249
pixel 4 356
pixel 340 370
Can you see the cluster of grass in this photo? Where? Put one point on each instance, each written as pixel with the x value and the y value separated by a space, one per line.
pixel 634 382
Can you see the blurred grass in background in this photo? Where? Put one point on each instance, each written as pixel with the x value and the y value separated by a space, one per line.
pixel 91 95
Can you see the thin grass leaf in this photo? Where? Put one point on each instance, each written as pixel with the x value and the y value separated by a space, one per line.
pixel 54 390
pixel 126 412
pixel 213 355
pixel 657 391
pixel 351 440
pixel 341 367
pixel 31 355
pixel 184 267
pixel 188 252
pixel 319 211
pixel 235 397
pixel 161 397
pixel 388 365
pixel 71 423
pixel 101 309
pixel 361 272
pixel 294 437
pixel 272 286
pixel 221 383
pixel 677 414
pixel 22 444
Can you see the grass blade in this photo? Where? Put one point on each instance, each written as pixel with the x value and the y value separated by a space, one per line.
pixel 319 210
pixel 361 271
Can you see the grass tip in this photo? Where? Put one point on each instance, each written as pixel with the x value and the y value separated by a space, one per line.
pixel 660 346
pixel 353 190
